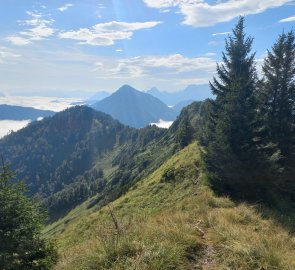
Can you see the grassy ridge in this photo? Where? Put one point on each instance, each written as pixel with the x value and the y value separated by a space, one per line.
pixel 171 220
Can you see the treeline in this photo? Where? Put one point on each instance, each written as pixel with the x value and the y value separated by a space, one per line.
pixel 249 129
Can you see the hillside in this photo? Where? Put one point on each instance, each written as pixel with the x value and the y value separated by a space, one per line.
pixel 172 220
pixel 191 92
pixel 80 152
pixel 134 108
pixel 9 112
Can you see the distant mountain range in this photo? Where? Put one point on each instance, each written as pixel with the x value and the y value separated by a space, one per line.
pixel 180 105
pixel 9 112
pixel 191 92
pixel 97 97
pixel 135 108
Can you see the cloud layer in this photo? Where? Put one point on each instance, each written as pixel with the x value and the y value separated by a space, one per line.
pixel 8 126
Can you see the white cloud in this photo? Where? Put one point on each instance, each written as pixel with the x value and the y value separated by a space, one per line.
pixel 18 41
pixel 289 19
pixel 160 68
pixel 199 13
pixel 168 3
pixel 65 7
pixel 39 28
pixel 105 34
pixel 220 34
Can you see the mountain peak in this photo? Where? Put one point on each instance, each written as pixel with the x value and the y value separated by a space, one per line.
pixel 154 89
pixel 135 108
pixel 127 88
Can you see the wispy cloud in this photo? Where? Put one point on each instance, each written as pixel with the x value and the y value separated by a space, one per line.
pixel 18 41
pixel 200 13
pixel 289 19
pixel 164 68
pixel 38 29
pixel 105 34
pixel 220 34
pixel 7 54
pixel 65 7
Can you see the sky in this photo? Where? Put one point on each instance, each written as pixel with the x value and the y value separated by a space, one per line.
pixel 76 48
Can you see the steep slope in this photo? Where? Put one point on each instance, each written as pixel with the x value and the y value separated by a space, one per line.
pixel 135 108
pixel 172 220
pixel 57 155
pixel 9 112
pixel 79 153
pixel 191 92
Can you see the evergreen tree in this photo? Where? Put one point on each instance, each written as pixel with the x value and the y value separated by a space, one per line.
pixel 21 245
pixel 185 133
pixel 231 152
pixel 277 101
pixel 278 93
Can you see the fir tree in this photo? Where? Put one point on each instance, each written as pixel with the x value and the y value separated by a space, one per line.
pixel 277 102
pixel 278 93
pixel 231 152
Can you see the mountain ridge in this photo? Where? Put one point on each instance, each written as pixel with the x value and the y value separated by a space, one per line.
pixel 191 92
pixel 12 112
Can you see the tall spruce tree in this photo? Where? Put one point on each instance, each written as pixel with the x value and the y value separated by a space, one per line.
pixel 21 245
pixel 277 103
pixel 231 153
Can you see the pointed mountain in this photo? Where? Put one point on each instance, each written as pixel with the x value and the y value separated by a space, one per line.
pixel 135 108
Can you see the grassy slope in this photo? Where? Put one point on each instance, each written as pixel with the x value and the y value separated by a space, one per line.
pixel 172 222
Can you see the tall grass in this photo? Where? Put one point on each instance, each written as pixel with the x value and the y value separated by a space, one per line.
pixel 170 220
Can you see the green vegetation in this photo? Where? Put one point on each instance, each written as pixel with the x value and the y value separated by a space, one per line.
pixel 122 198
pixel 178 224
pixel 21 245
pixel 251 124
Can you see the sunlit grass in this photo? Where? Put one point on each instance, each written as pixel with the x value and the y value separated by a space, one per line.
pixel 173 222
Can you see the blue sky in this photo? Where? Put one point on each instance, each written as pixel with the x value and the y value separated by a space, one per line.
pixel 81 47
